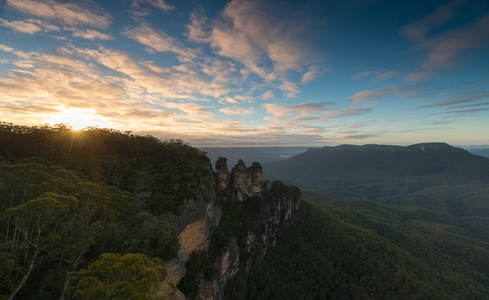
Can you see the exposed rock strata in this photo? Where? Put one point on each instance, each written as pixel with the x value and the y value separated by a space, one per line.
pixel 277 207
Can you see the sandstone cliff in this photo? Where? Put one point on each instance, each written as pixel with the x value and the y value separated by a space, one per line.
pixel 230 224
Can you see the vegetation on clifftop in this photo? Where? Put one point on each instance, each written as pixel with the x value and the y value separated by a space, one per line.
pixel 67 197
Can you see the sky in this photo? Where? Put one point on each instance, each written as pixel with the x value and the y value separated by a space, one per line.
pixel 251 73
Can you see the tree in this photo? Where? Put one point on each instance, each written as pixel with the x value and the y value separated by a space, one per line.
pixel 37 222
pixel 116 276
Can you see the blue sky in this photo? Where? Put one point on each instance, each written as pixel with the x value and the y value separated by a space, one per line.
pixel 251 73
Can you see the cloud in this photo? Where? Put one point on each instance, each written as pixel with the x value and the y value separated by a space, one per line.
pixel 445 51
pixel 267 95
pixel 377 75
pixel 228 100
pixel 197 30
pixel 468 105
pixel 237 111
pixel 369 94
pixel 157 40
pixel 457 100
pixel 21 26
pixel 191 111
pixel 303 109
pixel 160 4
pixel 418 76
pixel 68 13
pixel 90 34
pixel 289 88
pixel 359 136
pixel 6 48
pixel 468 111
pixel 264 42
pixel 417 30
pixel 448 48
pixel 50 82
pixel 73 78
pixel 398 91
pixel 312 73
pixel 251 33
pixel 32 26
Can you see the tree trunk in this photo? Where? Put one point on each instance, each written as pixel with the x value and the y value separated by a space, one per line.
pixel 24 278
pixel 65 286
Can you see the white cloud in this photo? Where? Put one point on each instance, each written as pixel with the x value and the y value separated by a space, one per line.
pixel 237 111
pixel 160 4
pixel 68 13
pixel 289 88
pixel 21 26
pixel 251 33
pixel 90 34
pixel 157 40
pixel 303 109
pixel 267 95
pixel 267 44
pixel 197 30
pixel 192 111
pixel 312 73
pixel 6 48
pixel 369 94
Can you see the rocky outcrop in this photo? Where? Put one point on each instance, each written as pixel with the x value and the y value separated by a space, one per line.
pixel 222 173
pixel 227 265
pixel 266 210
pixel 271 208
pixel 199 216
pixel 247 182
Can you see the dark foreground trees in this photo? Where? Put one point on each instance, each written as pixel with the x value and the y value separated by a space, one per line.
pixel 67 197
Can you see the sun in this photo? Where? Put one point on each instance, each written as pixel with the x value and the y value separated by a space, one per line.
pixel 76 118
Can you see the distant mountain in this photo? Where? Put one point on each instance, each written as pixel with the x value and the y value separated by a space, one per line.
pixel 482 152
pixel 432 175
pixel 341 166
pixel 264 155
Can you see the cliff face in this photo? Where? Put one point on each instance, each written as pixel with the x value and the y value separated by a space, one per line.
pixel 231 227
pixel 198 217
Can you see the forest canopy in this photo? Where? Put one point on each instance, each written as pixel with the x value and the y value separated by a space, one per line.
pixel 70 198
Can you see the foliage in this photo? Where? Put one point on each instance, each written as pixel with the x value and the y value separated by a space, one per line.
pixel 370 251
pixel 200 265
pixel 164 173
pixel 116 276
pixel 448 180
pixel 53 220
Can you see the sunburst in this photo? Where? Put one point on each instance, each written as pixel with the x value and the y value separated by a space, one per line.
pixel 77 118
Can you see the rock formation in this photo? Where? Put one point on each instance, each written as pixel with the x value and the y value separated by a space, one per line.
pixel 269 208
pixel 247 182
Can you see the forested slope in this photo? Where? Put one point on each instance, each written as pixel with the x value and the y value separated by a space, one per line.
pixel 434 176
pixel 364 250
pixel 101 214
pixel 66 197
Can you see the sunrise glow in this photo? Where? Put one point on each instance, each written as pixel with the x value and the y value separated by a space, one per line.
pixel 250 72
pixel 76 118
